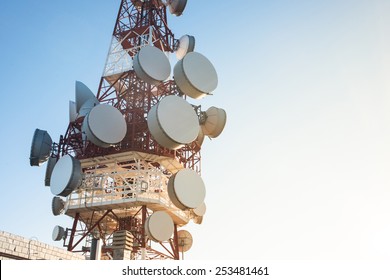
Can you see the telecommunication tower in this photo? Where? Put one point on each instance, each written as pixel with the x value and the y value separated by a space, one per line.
pixel 127 169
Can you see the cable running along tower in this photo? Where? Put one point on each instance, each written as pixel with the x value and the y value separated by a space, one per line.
pixel 128 168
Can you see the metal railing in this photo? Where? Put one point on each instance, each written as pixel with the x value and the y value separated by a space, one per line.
pixel 116 196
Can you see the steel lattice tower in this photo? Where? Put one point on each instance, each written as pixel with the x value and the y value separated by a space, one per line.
pixel 138 23
pixel 129 162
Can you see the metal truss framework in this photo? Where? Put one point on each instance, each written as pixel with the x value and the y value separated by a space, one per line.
pixel 110 199
pixel 138 23
pixel 132 96
pixel 142 248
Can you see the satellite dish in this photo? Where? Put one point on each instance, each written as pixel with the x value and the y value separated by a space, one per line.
pixel 66 176
pixel 57 206
pixel 49 170
pixel 201 210
pixel 184 240
pixel 186 189
pixel 173 122
pixel 186 45
pixel 40 147
pixel 159 226
pixel 58 233
pixel 215 122
pixel 87 107
pixel 151 65
pixel 199 140
pixel 199 213
pixel 72 111
pixel 176 7
pixel 104 126
pixel 83 93
pixel 198 220
pixel 195 76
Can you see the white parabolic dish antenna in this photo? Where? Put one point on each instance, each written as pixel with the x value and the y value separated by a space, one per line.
pixel 195 75
pixel 186 45
pixel 104 126
pixel 40 147
pixel 49 170
pixel 173 122
pixel 215 122
pixel 83 93
pixel 151 65
pixel 159 226
pixel 72 111
pixel 199 140
pixel 66 176
pixel 186 189
pixel 57 206
pixel 201 210
pixel 185 240
pixel 199 213
pixel 177 7
pixel 58 233
pixel 87 107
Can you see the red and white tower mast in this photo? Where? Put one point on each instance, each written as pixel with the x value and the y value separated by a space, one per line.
pixel 128 196
pixel 138 23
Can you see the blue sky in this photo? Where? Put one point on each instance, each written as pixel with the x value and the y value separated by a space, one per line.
pixel 302 168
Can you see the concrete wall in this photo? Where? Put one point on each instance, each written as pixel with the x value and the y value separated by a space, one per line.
pixel 16 247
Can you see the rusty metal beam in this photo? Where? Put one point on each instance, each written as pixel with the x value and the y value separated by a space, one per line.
pixel 73 231
pixel 89 230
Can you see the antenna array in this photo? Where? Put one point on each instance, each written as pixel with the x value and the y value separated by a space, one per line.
pixel 128 166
